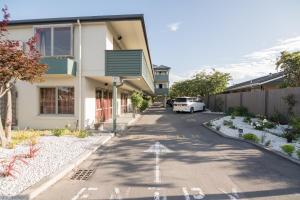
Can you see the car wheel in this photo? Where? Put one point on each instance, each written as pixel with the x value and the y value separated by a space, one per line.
pixel 192 110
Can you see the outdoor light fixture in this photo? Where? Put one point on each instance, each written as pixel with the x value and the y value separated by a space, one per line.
pixel 241 131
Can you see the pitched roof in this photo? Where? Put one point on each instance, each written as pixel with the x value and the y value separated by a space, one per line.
pixel 258 81
pixel 161 67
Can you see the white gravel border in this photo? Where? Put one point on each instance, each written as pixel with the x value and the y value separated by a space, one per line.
pixel 276 141
pixel 54 153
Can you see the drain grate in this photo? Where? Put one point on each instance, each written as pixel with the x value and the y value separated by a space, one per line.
pixel 82 174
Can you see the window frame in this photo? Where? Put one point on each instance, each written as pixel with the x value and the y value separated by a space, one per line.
pixel 56 101
pixel 52 27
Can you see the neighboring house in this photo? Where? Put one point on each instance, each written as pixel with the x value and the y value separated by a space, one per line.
pixel 83 54
pixel 271 81
pixel 161 82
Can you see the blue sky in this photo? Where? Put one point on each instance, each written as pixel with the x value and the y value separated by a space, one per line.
pixel 242 37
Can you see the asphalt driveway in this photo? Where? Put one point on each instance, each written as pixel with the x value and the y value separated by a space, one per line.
pixel 171 156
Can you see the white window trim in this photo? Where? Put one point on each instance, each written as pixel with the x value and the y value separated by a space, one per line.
pixel 56 102
pixel 52 26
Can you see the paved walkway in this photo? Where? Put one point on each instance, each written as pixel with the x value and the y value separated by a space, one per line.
pixel 186 162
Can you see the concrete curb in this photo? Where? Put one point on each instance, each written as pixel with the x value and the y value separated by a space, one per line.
pixel 266 149
pixel 50 180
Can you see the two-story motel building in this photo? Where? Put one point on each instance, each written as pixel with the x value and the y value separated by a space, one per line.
pixel 83 55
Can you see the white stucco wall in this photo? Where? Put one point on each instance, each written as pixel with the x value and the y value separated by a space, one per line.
pixel 28 115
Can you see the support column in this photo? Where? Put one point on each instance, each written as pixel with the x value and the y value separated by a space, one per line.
pixel 114 114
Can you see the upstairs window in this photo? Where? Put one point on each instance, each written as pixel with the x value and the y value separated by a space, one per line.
pixel 55 41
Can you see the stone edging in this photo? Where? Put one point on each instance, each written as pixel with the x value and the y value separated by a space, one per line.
pixel 46 182
pixel 254 144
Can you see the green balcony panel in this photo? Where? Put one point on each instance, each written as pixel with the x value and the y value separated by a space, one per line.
pixel 128 63
pixel 161 78
pixel 60 66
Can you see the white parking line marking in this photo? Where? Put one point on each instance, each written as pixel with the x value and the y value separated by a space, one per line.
pixel 186 193
pixel 78 194
pixel 116 194
pixel 201 195
pixel 232 197
pixel 92 189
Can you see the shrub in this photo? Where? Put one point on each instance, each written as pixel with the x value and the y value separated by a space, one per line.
pixel 136 100
pixel 144 105
pixel 228 123
pixel 295 124
pixel 269 125
pixel 259 125
pixel 289 135
pixel 232 127
pixel 58 132
pixel 209 124
pixel 232 116
pixel 251 137
pixel 82 134
pixel 298 153
pixel 278 118
pixel 268 143
pixel 238 111
pixel 288 149
pixel 247 119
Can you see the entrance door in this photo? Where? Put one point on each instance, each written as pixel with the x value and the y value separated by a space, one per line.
pixel 99 106
pixel 124 98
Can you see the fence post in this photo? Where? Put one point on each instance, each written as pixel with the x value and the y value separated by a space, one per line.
pixel 241 99
pixel 266 103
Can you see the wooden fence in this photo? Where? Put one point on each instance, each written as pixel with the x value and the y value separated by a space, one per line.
pixel 257 101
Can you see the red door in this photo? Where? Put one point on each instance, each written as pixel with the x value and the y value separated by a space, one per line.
pixel 103 105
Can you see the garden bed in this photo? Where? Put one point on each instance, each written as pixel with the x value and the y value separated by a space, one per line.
pixel 52 153
pixel 272 138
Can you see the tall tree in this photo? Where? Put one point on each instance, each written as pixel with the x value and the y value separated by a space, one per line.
pixel 201 84
pixel 289 62
pixel 18 61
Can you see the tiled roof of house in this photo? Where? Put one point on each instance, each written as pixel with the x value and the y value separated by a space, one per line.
pixel 258 81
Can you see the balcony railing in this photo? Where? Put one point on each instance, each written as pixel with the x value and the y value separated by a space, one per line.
pixel 60 66
pixel 128 63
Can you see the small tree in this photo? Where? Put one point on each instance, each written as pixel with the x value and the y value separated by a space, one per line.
pixel 136 100
pixel 290 64
pixel 291 101
pixel 16 64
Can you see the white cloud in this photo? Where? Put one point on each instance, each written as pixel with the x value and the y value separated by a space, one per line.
pixel 174 26
pixel 255 64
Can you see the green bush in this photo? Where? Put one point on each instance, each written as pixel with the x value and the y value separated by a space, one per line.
pixel 251 137
pixel 136 100
pixel 295 124
pixel 247 119
pixel 278 118
pixel 209 124
pixel 237 111
pixel 268 143
pixel 82 134
pixel 232 127
pixel 288 149
pixel 144 105
pixel 269 125
pixel 228 123
pixel 298 153
pixel 58 132
pixel 259 125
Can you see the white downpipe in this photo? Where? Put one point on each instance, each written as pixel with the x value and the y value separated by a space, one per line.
pixel 80 78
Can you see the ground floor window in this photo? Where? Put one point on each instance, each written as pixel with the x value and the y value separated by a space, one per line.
pixel 57 100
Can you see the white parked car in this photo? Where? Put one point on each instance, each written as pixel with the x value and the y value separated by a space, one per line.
pixel 188 104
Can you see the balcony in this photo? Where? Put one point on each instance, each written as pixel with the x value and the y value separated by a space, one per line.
pixel 129 63
pixel 162 91
pixel 161 78
pixel 60 66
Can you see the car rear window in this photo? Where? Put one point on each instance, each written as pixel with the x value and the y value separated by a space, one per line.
pixel 181 100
